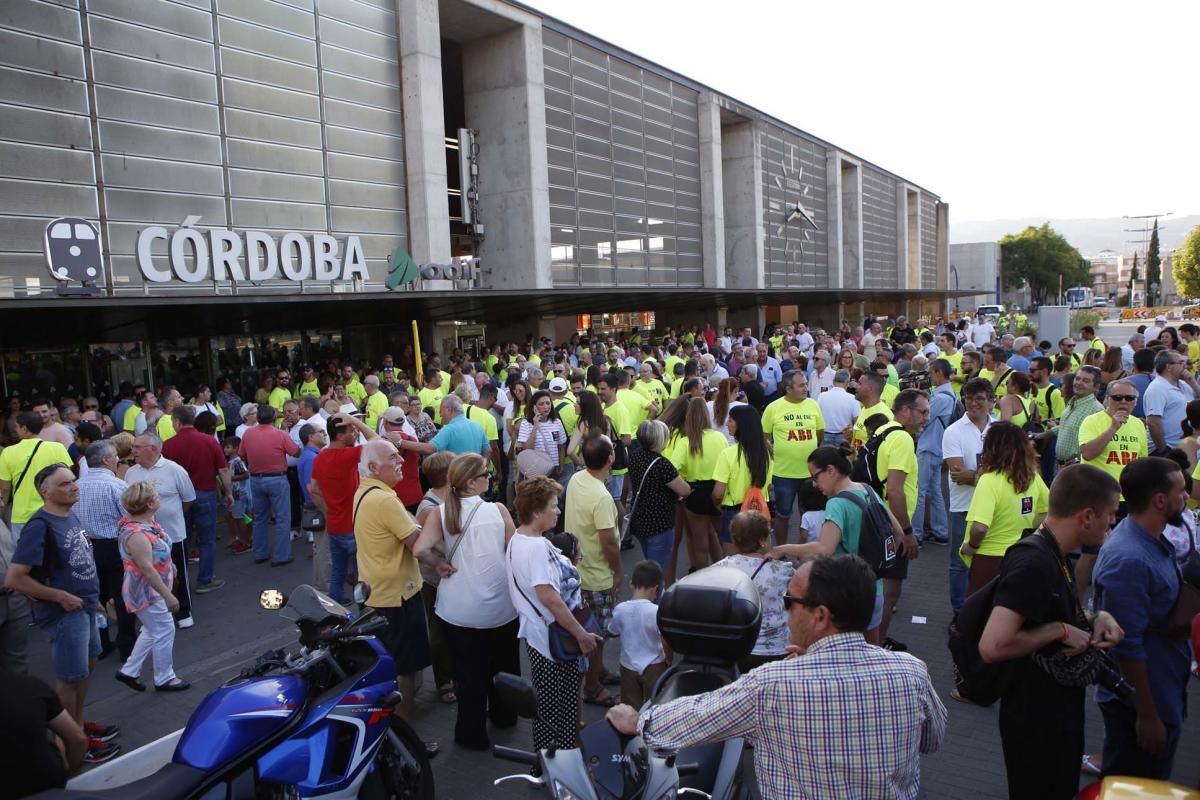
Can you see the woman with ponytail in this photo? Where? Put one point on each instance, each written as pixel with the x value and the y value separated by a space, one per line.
pixel 473 600
pixel 719 406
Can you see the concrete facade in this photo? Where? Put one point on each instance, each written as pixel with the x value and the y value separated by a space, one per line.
pixel 978 267
pixel 596 167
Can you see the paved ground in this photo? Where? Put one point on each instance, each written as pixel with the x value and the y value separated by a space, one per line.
pixel 231 629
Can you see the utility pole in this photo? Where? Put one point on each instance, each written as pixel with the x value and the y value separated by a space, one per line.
pixel 1147 223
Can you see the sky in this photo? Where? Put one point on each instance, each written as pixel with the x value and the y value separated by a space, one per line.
pixel 1006 110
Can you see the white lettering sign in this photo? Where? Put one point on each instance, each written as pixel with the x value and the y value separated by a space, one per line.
pixel 195 255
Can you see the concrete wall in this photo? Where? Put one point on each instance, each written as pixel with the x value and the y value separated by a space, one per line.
pixel 978 265
pixel 741 166
pixel 712 192
pixel 505 102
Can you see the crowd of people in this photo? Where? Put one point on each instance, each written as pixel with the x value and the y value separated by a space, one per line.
pixel 486 498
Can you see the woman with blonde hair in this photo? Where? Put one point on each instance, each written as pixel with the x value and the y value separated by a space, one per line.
pixel 473 601
pixel 149 573
pixel 123 441
pixel 719 406
pixel 694 454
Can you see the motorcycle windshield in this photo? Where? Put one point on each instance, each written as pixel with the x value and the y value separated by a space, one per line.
pixel 306 604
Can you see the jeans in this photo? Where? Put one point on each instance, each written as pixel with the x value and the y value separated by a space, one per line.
pixel 202 517
pixel 929 493
pixel 1122 756
pixel 342 551
pixel 272 494
pixel 786 490
pixel 832 439
pixel 958 570
pixel 156 640
pixel 657 546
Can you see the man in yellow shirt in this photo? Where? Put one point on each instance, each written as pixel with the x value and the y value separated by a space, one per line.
pixel 896 468
pixel 19 465
pixel 618 415
pixel 481 412
pixel 870 391
pixel 1189 333
pixel 793 426
pixel 309 386
pixel 638 406
pixel 432 392
pixel 354 387
pixel 281 394
pixel 1112 438
pixel 165 427
pixel 948 343
pixel 376 402
pixel 1094 342
pixel 649 386
pixel 386 536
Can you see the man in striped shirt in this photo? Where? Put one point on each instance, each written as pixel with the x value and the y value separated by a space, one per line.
pixel 838 718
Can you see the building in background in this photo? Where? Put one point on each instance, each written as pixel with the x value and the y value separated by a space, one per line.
pixel 188 190
pixel 976 266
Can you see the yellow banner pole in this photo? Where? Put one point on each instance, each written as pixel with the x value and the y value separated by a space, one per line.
pixel 420 376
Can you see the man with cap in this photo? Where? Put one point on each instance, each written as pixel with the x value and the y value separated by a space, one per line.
pixel 822 376
pixel 376 402
pixel 1152 333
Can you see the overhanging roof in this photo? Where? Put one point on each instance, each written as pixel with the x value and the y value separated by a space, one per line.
pixel 57 320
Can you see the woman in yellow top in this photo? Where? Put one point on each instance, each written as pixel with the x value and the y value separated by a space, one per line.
pixel 746 463
pixel 1010 500
pixel 694 454
pixel 1016 406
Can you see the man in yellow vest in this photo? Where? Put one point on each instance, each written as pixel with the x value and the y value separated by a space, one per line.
pixel 309 386
pixel 280 394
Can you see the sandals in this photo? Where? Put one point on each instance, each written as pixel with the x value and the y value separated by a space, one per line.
pixel 609 679
pixel 599 697
pixel 432 749
pixel 1089 765
pixel 446 694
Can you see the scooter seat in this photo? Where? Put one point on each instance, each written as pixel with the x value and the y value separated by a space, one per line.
pixel 686 683
pixel 172 780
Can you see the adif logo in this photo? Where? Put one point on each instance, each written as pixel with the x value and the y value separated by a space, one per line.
pixel 403 270
pixel 73 254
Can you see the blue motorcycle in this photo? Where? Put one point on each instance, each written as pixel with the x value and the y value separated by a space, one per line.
pixel 319 722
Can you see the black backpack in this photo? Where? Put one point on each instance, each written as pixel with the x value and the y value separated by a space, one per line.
pixel 866 466
pixel 876 540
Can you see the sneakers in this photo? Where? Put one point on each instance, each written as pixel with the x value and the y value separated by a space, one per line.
pixel 310 537
pixel 99 732
pixel 239 548
pixel 295 535
pixel 193 557
pixel 99 752
pixel 938 540
pixel 896 647
pixel 211 586
pixel 187 621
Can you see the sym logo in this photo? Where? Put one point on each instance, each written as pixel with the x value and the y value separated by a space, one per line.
pixel 73 256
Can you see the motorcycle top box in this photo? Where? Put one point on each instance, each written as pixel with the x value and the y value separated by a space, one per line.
pixel 711 614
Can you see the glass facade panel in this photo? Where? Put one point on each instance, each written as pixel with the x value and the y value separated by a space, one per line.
pixel 880 239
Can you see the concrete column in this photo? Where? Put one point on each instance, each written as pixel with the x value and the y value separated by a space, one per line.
pixel 741 165
pixel 546 327
pixel 722 320
pixel 424 132
pixel 712 193
pixel 943 246
pixel 503 81
pixel 903 247
pixel 833 205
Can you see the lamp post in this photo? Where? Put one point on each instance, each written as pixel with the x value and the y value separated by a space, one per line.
pixel 954 272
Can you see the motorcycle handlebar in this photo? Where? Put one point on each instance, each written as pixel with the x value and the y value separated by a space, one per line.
pixel 513 754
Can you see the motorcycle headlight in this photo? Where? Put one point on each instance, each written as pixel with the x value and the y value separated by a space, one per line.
pixel 561 792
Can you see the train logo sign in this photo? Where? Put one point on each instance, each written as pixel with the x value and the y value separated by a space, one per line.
pixel 73 256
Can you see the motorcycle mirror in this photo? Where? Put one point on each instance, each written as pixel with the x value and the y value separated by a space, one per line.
pixel 362 591
pixel 272 599
pixel 518 694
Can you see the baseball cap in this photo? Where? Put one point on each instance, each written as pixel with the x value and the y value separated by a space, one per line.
pixel 393 415
pixel 558 385
pixel 1160 318
pixel 350 408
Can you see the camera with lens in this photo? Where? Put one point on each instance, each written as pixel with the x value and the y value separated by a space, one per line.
pixel 1092 666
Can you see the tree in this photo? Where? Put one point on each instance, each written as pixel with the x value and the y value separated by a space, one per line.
pixel 1153 268
pixel 1040 256
pixel 1133 277
pixel 1186 268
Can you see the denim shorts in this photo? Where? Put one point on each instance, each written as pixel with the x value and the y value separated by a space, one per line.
pixel 725 534
pixel 75 639
pixel 785 490
pixel 615 484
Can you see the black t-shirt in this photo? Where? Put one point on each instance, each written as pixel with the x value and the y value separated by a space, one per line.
pixel 28 761
pixel 655 511
pixel 1034 585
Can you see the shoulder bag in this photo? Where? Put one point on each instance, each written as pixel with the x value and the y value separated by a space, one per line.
pixel 463 533
pixel 12 498
pixel 1187 605
pixel 562 643
pixel 627 520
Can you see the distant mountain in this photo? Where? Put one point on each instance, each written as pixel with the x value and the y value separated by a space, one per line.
pixel 1088 236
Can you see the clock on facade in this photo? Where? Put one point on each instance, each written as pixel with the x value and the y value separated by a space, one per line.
pixel 786 203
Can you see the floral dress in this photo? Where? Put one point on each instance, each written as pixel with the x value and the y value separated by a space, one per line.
pixel 137 591
pixel 771 578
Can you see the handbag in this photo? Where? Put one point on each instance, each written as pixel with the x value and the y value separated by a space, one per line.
pixel 627 520
pixel 1187 605
pixel 312 519
pixel 562 643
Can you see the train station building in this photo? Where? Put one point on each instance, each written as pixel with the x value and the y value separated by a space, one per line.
pixel 201 183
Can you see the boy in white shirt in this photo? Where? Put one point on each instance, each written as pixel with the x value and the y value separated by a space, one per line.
pixel 643 657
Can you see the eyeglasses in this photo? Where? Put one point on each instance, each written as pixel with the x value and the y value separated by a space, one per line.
pixel 1124 398
pixel 480 475
pixel 791 600
pixel 91 408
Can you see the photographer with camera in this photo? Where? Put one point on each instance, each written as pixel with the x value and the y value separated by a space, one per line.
pixel 1138 580
pixel 1037 625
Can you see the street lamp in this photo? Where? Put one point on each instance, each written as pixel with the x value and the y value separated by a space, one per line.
pixel 954 272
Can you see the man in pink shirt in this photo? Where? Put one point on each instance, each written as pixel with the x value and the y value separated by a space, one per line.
pixel 265 449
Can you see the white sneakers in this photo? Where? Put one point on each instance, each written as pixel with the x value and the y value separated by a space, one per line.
pixel 186 622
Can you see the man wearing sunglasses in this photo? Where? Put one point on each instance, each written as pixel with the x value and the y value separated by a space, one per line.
pixel 832 682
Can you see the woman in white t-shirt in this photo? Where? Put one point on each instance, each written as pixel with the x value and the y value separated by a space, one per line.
pixel 473 601
pixel 719 406
pixel 544 587
pixel 542 430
